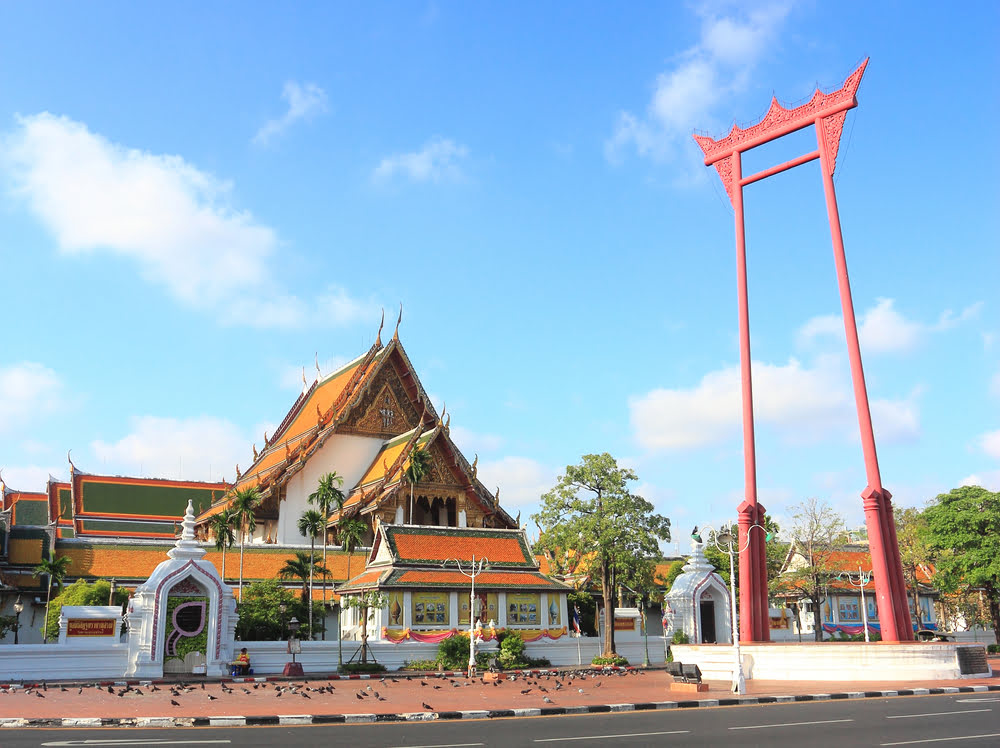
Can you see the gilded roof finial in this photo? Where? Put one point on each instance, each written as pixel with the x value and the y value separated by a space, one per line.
pixel 265 440
pixel 238 471
pixel 378 335
pixel 319 414
pixel 475 466
pixel 496 497
pixel 395 333
pixel 72 467
pixel 255 452
pixel 447 424
pixel 319 374
pixel 288 452
pixel 444 409
pixel 304 385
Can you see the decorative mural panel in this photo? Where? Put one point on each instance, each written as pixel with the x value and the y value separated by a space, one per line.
pixel 395 610
pixel 524 609
pixel 185 627
pixel 849 609
pixel 430 608
pixel 872 606
pixel 553 617
pixel 487 610
pixel 384 410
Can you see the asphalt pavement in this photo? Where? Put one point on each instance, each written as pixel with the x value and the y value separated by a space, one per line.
pixel 953 719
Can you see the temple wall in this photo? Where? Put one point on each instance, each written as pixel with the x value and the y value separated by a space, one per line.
pixel 349 456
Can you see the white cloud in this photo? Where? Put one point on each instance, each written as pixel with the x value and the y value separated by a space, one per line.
pixel 882 329
pixel 685 96
pixel 472 442
pixel 340 309
pixel 995 384
pixel 989 479
pixel 990 444
pixel 174 221
pixel 439 160
pixel 32 477
pixel 200 448
pixel 799 401
pixel 522 480
pixel 304 101
pixel 27 390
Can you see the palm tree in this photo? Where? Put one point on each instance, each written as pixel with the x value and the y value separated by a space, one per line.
pixel 420 466
pixel 326 497
pixel 222 527
pixel 299 568
pixel 350 533
pixel 245 502
pixel 311 524
pixel 55 570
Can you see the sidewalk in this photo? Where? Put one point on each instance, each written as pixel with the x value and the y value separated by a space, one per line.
pixel 390 698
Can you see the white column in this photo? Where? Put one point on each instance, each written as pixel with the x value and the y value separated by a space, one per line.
pixel 501 610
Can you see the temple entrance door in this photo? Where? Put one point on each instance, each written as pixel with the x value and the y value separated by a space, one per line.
pixel 707 622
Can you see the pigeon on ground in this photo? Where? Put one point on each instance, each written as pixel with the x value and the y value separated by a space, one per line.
pixel 597 685
pixel 202 686
pixel 428 707
pixel 526 690
pixel 111 690
pixel 174 702
pixel 546 699
pixel 154 688
pixel 39 694
pixel 245 690
pixel 212 698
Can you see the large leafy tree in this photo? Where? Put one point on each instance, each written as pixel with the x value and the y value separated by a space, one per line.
pixel 301 567
pixel 326 498
pixel 418 469
pixel 311 524
pixel 259 611
pixel 963 531
pixel 913 550
pixel 245 503
pixel 55 569
pixel 816 532
pixel 222 527
pixel 592 513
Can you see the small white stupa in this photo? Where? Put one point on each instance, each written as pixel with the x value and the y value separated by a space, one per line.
pixel 698 602
pixel 183 616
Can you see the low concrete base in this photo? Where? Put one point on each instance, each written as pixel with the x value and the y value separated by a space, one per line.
pixel 689 687
pixel 293 669
pixel 831 661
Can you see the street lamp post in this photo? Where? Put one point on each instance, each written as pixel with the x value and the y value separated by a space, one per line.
pixel 863 580
pixel 18 609
pixel 293 668
pixel 725 542
pixel 475 569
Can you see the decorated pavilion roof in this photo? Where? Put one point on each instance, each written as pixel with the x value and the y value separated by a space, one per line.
pixel 412 545
pixel 390 578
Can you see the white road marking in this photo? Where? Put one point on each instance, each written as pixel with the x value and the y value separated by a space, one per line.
pixel 447 745
pixel 791 724
pixel 944 740
pixel 939 714
pixel 131 741
pixel 976 701
pixel 608 737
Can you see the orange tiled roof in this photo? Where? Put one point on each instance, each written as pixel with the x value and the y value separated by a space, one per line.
pixel 385 459
pixel 410 544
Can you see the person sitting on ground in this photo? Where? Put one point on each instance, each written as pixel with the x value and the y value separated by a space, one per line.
pixel 243 661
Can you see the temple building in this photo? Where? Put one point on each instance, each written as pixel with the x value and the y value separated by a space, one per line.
pixel 365 423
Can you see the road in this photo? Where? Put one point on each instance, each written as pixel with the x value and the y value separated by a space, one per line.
pixel 949 720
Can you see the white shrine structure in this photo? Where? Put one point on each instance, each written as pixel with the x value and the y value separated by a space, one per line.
pixel 698 602
pixel 183 618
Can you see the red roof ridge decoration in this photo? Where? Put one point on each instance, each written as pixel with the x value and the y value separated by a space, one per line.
pixel 779 118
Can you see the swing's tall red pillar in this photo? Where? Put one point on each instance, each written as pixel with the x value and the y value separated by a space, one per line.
pixel 826 112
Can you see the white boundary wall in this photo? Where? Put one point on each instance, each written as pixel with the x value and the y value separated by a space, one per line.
pixel 36 662
pixel 832 661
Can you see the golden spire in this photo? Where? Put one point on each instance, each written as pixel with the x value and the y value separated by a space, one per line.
pixel 319 374
pixel 395 333
pixel 475 466
pixel 237 471
pixel 378 335
pixel 255 452
pixel 72 467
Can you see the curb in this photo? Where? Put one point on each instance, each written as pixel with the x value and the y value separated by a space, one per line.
pixel 327 719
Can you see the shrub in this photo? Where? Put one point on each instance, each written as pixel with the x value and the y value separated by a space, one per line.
pixel 420 665
pixel 511 651
pixel 680 637
pixel 993 648
pixel 80 593
pixel 363 667
pixel 453 652
pixel 616 660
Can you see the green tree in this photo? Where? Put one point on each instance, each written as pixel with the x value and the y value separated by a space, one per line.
pixel 963 531
pixel 245 503
pixel 80 593
pixel 365 601
pixel 55 570
pixel 311 524
pixel 260 617
pixel 591 512
pixel 300 568
pixel 416 471
pixel 327 497
pixel 911 529
pixel 7 623
pixel 222 527
pixel 816 532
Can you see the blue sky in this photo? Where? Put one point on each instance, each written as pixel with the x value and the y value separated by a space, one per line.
pixel 198 201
